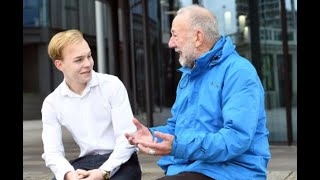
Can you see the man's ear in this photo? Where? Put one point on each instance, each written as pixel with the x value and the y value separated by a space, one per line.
pixel 58 64
pixel 199 38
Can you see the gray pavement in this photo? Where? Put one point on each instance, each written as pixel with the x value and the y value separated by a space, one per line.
pixel 284 158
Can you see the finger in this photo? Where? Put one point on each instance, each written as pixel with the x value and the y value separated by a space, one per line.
pixel 141 147
pixel 164 136
pixel 152 152
pixel 155 140
pixel 80 176
pixel 82 172
pixel 137 123
pixel 128 135
pixel 132 142
pixel 145 145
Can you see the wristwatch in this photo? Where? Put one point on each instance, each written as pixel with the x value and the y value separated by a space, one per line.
pixel 105 174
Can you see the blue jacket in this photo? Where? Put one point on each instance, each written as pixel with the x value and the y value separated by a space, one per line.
pixel 218 118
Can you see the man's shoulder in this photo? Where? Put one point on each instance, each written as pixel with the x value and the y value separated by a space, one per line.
pixel 239 62
pixel 54 94
pixel 106 78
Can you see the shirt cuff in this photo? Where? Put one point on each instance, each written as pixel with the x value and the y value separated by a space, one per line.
pixel 112 172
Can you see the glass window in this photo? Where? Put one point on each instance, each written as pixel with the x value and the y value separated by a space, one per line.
pixel 30 13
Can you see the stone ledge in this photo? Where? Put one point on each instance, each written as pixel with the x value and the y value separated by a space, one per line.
pixel 282 175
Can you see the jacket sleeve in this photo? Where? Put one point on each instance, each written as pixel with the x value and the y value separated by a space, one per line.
pixel 241 99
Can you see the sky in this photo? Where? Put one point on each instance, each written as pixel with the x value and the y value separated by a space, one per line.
pixel 216 6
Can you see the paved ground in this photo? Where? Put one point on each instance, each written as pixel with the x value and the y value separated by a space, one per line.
pixel 284 158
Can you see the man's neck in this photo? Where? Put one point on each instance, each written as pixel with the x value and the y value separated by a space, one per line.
pixel 77 88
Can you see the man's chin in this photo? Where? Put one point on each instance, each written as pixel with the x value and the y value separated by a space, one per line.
pixel 185 64
pixel 182 62
pixel 87 78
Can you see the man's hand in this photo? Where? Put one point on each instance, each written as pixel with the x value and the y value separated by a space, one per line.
pixel 94 174
pixel 142 134
pixel 143 139
pixel 163 148
pixel 75 175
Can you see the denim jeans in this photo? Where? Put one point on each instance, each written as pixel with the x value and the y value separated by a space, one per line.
pixel 128 171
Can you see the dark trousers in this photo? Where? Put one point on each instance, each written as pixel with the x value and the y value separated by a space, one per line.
pixel 186 176
pixel 129 170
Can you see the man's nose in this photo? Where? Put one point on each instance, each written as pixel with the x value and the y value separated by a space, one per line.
pixel 171 43
pixel 87 62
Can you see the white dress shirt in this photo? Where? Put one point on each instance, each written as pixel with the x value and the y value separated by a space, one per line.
pixel 97 120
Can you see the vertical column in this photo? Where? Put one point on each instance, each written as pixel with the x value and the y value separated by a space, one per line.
pixel 287 80
pixel 100 37
pixel 44 69
pixel 254 18
pixel 147 64
pixel 124 43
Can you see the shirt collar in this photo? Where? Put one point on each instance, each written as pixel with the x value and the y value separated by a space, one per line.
pixel 66 91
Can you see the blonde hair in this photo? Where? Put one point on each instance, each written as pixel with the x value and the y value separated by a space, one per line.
pixel 60 40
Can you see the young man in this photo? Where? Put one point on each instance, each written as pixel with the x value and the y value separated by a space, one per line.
pixel 95 109
pixel 218 124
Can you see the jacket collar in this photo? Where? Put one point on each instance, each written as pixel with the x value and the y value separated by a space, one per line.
pixel 220 50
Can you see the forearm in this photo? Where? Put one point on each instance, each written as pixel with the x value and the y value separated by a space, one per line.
pixel 54 151
pixel 58 165
pixel 210 147
pixel 121 154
